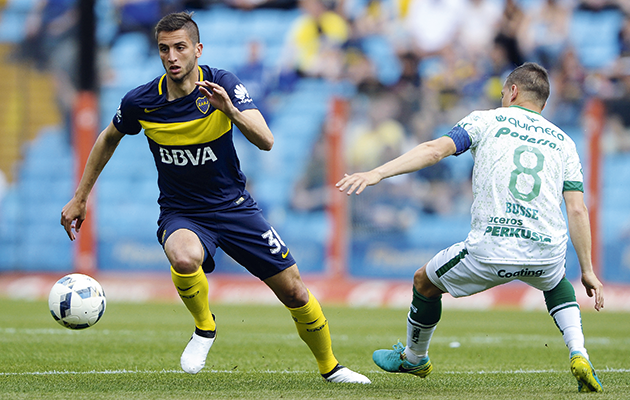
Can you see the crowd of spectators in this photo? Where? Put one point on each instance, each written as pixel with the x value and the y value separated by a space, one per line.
pixel 451 57
pixel 417 67
pixel 438 57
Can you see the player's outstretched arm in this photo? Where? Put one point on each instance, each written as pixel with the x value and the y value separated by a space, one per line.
pixel 422 156
pixel 580 231
pixel 73 213
pixel 250 122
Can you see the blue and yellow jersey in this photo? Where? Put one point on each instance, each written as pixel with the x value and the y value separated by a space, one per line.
pixel 191 142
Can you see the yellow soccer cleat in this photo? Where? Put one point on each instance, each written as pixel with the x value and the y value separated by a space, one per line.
pixel 583 371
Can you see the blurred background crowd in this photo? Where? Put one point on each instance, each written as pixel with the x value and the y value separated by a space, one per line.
pixel 410 69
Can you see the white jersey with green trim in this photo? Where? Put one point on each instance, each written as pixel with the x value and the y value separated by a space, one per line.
pixel 522 165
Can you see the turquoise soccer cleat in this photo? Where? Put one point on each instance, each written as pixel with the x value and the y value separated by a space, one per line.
pixel 583 371
pixel 396 361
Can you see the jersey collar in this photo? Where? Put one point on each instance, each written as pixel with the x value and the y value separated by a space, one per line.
pixel 162 83
pixel 526 109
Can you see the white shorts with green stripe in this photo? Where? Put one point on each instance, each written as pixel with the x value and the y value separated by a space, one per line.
pixel 455 271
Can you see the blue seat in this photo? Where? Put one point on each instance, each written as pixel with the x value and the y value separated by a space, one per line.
pixel 220 25
pixel 51 141
pixel 8 255
pixel 114 190
pixel 615 197
pixel 381 53
pixel 616 169
pixel 273 192
pixel 106 21
pixel 614 223
pixel 22 6
pixel 45 257
pixel 594 36
pixel 45 190
pixel 44 247
pixel 12 26
pixel 270 26
pixel 128 55
pixel 13 20
pixel 10 210
pixel 129 49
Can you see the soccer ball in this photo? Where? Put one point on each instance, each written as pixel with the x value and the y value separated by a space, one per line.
pixel 77 301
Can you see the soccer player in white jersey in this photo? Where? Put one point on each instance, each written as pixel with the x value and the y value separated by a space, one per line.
pixel 523 168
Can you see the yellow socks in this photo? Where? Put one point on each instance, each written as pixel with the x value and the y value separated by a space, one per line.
pixel 193 290
pixel 310 321
pixel 312 327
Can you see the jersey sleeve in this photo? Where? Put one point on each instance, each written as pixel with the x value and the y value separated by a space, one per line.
pixel 467 132
pixel 461 139
pixel 236 90
pixel 474 124
pixel 573 174
pixel 125 120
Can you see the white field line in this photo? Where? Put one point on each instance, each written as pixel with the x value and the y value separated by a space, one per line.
pixel 164 371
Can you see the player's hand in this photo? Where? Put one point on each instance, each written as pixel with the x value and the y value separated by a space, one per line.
pixel 217 96
pixel 358 181
pixel 594 288
pixel 72 217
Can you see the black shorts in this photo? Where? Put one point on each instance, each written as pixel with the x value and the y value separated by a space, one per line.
pixel 241 232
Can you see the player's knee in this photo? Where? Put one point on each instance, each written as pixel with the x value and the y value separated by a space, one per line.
pixel 423 285
pixel 289 287
pixel 295 299
pixel 184 263
pixel 184 251
pixel 294 296
pixel 418 277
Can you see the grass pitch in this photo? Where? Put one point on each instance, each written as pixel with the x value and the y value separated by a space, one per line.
pixel 133 353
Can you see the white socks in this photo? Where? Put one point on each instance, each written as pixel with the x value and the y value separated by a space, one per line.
pixel 569 322
pixel 418 340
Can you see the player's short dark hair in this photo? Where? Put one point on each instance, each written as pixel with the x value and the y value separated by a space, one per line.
pixel 176 21
pixel 532 80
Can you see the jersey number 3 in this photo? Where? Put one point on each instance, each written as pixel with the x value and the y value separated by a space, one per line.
pixel 531 173
pixel 274 240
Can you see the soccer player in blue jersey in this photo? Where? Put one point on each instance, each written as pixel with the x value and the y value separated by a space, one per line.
pixel 524 168
pixel 187 115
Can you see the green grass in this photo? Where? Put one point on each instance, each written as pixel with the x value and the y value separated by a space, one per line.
pixel 133 353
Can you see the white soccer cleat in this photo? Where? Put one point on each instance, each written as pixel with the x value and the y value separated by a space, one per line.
pixel 196 351
pixel 341 374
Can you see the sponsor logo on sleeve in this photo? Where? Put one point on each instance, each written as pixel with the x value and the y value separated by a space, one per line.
pixel 118 115
pixel 242 94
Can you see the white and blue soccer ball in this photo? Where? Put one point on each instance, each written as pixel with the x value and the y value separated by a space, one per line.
pixel 77 301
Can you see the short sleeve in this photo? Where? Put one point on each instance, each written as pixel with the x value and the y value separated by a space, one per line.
pixel 461 139
pixel 473 124
pixel 573 174
pixel 236 90
pixel 125 120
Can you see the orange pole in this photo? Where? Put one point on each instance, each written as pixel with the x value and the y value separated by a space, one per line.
pixel 85 122
pixel 595 118
pixel 337 247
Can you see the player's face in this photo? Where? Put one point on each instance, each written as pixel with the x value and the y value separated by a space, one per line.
pixel 179 54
